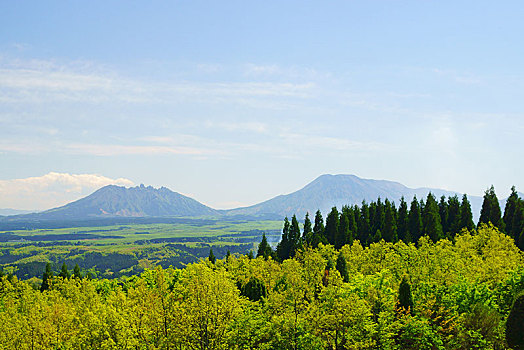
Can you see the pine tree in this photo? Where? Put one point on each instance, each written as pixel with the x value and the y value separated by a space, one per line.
pixel 318 230
pixel 466 217
pixel 431 219
pixel 512 204
pixel 254 290
pixel 228 255
pixel 212 257
pixel 342 268
pixel 518 224
pixel 46 278
pixel 379 218
pixel 453 224
pixel 353 228
pixel 64 273
pixel 264 249
pixel 515 324
pixel 490 211
pixel 415 220
pixel 405 300
pixel 295 240
pixel 443 211
pixel 390 222
pixel 332 224
pixel 307 235
pixel 377 236
pixel 402 222
pixel 76 272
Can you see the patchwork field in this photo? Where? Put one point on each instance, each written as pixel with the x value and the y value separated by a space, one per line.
pixel 125 249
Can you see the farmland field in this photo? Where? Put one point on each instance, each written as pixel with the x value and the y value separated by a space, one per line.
pixel 119 250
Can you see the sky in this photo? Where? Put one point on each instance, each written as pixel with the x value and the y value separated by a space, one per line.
pixel 235 102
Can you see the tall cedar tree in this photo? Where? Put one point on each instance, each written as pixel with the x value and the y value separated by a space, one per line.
pixel 466 217
pixel 431 219
pixel 64 273
pixel 332 223
pixel 443 211
pixel 515 324
pixel 353 227
pixel 76 272
pixel 518 224
pixel 364 225
pixel 307 235
pixel 342 268
pixel 389 233
pixel 490 211
pixel 264 249
pixel 512 204
pixel 402 221
pixel 405 300
pixel 48 274
pixel 415 220
pixel 212 257
pixel 284 246
pixel 453 224
pixel 343 233
pixel 295 240
pixel 318 230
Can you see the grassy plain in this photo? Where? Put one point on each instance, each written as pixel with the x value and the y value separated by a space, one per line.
pixel 121 250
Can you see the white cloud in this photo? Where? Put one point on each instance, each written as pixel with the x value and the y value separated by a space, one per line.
pixel 52 190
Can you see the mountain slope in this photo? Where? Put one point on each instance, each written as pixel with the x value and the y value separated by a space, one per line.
pixel 117 201
pixel 327 191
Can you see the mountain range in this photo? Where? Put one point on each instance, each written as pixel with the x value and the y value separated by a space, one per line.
pixel 323 193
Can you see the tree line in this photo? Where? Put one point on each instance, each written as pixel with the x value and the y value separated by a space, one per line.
pixel 370 223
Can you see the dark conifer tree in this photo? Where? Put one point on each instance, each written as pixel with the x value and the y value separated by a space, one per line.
pixel 515 324
pixel 295 240
pixel 250 255
pixel 332 224
pixel 377 236
pixel 405 300
pixel 364 226
pixel 490 211
pixel 264 249
pixel 415 220
pixel 212 257
pixel 512 204
pixel 431 219
pixel 453 224
pixel 380 216
pixel 76 272
pixel 443 211
pixel 64 273
pixel 284 246
pixel 343 233
pixel 228 255
pixel 46 278
pixel 342 268
pixel 518 224
pixel 402 222
pixel 389 233
pixel 318 230
pixel 307 235
pixel 466 217
pixel 353 228
pixel 254 290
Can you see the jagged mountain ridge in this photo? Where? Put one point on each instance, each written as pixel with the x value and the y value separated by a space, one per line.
pixel 118 201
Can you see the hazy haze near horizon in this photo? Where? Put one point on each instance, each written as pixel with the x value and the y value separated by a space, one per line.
pixel 235 102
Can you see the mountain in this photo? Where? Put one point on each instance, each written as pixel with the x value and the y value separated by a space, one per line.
pixel 327 191
pixel 117 201
pixel 9 211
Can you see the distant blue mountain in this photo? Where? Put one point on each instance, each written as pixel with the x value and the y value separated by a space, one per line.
pixel 327 191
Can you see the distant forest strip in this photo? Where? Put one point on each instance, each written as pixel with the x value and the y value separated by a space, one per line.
pixel 370 223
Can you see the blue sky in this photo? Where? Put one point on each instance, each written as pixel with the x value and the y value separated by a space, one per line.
pixel 234 102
